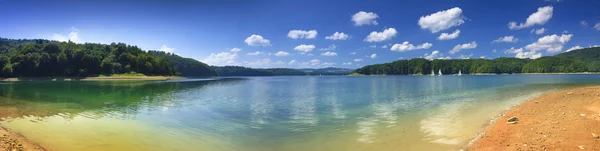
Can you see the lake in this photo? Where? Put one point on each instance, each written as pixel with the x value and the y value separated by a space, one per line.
pixel 291 113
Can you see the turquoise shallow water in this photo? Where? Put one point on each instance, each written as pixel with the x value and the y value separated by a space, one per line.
pixel 269 113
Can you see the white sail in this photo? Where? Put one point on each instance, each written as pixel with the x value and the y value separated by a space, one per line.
pixel 459 73
pixel 432 73
pixel 440 72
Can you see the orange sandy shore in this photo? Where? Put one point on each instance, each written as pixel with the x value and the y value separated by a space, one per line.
pixel 10 141
pixel 564 120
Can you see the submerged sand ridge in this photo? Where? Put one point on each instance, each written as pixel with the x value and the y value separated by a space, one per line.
pixel 563 120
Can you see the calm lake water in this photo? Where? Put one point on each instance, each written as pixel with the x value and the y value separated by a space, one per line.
pixel 269 113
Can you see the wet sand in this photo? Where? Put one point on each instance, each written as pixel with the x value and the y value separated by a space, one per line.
pixel 10 141
pixel 562 120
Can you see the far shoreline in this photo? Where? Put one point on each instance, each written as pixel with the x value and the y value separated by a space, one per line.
pixel 481 74
pixel 107 78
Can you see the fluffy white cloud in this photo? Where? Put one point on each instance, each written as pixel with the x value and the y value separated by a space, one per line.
pixel 583 23
pixel 406 46
pixel 466 56
pixel 254 53
pixel 235 50
pixel 353 53
pixel 166 49
pixel 73 36
pixel 550 43
pixel 432 56
pixel 373 56
pixel 304 48
pixel 316 63
pixel 574 48
pixel 347 63
pixel 597 26
pixel 299 34
pixel 329 53
pixel 291 62
pixel 364 18
pixel 381 36
pixel 543 15
pixel 330 47
pixel 358 60
pixel 524 54
pixel 257 40
pixel 539 31
pixel 282 53
pixel 338 36
pixel 442 20
pixel 447 36
pixel 221 59
pixel 458 48
pixel 506 39
pixel 482 57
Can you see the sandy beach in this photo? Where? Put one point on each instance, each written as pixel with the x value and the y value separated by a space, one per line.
pixel 562 120
pixel 10 141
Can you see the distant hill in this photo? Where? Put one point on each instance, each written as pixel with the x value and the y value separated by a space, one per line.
pixel 245 71
pixel 187 67
pixel 581 60
pixel 327 71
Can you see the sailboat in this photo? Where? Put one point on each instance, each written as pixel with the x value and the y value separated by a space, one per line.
pixel 432 73
pixel 440 72
pixel 459 73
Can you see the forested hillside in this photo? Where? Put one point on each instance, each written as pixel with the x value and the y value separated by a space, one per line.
pixel 187 66
pixel 44 58
pixel 582 60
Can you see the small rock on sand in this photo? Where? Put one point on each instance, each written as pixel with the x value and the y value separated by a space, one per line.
pixel 594 135
pixel 569 93
pixel 581 147
pixel 512 120
pixel 582 114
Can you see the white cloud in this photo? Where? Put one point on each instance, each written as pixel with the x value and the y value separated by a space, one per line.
pixel 540 17
pixel 506 39
pixel 337 36
pixel 381 36
pixel 447 36
pixel 347 63
pixel 406 46
pixel 373 56
pixel 235 50
pixel 166 49
pixel 316 63
pixel 259 63
pixel 299 34
pixel 291 62
pixel 254 53
pixel 466 56
pixel 373 46
pixel 482 57
pixel 457 48
pixel 574 48
pixel 329 53
pixel 364 18
pixel 73 36
pixel 442 20
pixel 550 43
pixel 432 56
pixel 597 26
pixel 282 53
pixel 358 60
pixel 257 40
pixel 310 54
pixel 353 53
pixel 221 59
pixel 539 31
pixel 304 48
pixel 583 23
pixel 524 54
pixel 331 47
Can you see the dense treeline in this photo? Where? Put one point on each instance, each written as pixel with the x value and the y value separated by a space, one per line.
pixel 187 66
pixel 45 58
pixel 583 60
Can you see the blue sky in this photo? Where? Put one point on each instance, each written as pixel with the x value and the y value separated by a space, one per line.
pixel 295 33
